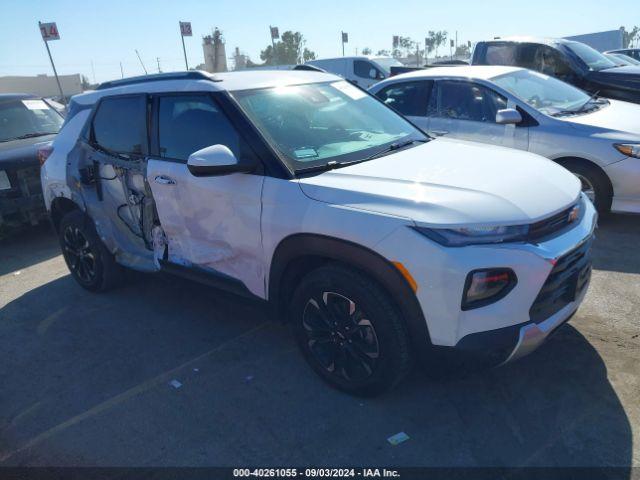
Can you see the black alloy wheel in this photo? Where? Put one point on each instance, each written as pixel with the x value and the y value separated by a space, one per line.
pixel 78 254
pixel 340 336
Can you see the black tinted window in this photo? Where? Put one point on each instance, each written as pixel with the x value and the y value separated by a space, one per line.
pixel 365 69
pixel 120 125
pixel 468 101
pixel 409 98
pixel 543 58
pixel 500 54
pixel 189 123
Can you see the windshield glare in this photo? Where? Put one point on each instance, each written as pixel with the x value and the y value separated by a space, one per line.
pixel 316 123
pixel 19 118
pixel 544 93
pixel 591 57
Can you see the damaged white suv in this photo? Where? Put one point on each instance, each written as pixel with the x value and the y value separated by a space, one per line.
pixel 378 244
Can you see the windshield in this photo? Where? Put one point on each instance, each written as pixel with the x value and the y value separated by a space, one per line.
pixel 591 57
pixel 27 118
pixel 313 124
pixel 544 93
pixel 386 63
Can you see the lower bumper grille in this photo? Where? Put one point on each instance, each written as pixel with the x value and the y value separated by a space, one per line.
pixel 567 280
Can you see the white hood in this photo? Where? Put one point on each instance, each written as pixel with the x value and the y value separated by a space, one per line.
pixel 451 182
pixel 615 118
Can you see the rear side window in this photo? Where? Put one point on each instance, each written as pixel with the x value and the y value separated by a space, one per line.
pixel 120 125
pixel 468 101
pixel 188 123
pixel 500 54
pixel 408 98
pixel 366 70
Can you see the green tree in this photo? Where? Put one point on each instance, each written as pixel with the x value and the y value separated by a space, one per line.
pixel 628 37
pixel 441 39
pixel 383 53
pixel 462 50
pixel 289 50
pixel 366 51
pixel 430 42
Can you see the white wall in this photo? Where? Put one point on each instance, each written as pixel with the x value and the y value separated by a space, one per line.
pixel 42 85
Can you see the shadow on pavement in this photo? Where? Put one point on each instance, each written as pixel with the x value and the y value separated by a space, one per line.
pixel 28 247
pixel 85 382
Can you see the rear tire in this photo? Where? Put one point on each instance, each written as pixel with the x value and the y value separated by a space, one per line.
pixel 350 331
pixel 595 184
pixel 87 258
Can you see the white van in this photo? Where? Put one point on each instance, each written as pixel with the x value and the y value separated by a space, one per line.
pixel 363 70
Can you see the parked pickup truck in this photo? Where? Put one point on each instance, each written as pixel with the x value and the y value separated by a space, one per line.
pixel 570 61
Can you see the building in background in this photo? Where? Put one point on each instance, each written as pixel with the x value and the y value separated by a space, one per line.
pixel 42 85
pixel 602 41
pixel 215 57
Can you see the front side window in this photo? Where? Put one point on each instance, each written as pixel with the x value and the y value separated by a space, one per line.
pixel 409 98
pixel 188 123
pixel 366 70
pixel 312 124
pixel 592 58
pixel 468 101
pixel 544 59
pixel 27 118
pixel 544 93
pixel 120 125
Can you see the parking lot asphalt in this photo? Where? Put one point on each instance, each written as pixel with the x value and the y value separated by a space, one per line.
pixel 85 379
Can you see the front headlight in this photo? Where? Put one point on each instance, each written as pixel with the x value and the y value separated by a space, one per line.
pixel 628 149
pixel 460 237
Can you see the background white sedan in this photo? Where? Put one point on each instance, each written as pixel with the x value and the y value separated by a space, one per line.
pixel 595 138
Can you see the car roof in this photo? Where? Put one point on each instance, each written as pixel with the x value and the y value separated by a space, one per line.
pixel 352 57
pixel 203 81
pixel 5 97
pixel 531 39
pixel 482 72
pixel 252 79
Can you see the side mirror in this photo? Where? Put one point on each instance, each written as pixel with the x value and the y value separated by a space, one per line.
pixel 216 160
pixel 508 116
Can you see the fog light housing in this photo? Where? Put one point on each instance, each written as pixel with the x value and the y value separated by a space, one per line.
pixel 486 286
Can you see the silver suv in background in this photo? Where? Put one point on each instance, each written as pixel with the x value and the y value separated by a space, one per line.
pixel 595 138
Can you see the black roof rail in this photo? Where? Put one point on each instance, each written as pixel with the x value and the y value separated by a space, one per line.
pixel 191 75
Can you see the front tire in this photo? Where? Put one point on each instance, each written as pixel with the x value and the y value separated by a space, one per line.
pixel 88 260
pixel 593 182
pixel 349 331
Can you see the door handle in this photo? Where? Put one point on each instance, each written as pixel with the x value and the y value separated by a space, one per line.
pixel 162 180
pixel 439 133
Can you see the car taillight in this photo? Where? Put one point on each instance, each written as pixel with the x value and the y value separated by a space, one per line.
pixel 487 286
pixel 44 153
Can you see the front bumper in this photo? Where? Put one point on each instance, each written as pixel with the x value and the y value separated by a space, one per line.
pixel 23 203
pixel 625 179
pixel 512 326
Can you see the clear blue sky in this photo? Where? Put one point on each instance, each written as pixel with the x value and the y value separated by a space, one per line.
pixel 107 31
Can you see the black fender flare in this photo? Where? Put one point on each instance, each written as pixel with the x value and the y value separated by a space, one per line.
pixel 299 253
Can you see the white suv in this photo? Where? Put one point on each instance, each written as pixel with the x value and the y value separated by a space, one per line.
pixel 378 244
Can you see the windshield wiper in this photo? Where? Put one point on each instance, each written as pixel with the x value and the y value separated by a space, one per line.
pixel 333 164
pixel 30 135
pixel 391 148
pixel 593 97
